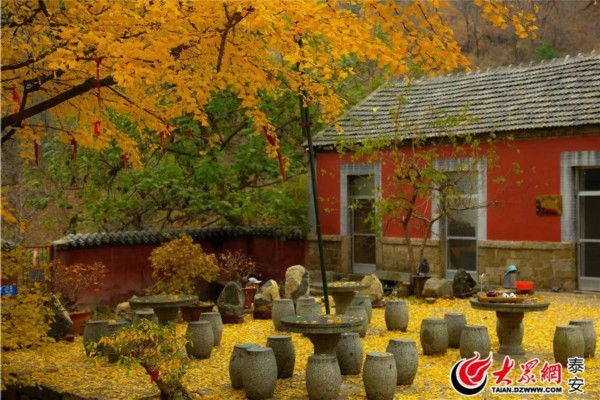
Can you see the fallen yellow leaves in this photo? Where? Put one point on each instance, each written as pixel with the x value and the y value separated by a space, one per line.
pixel 65 366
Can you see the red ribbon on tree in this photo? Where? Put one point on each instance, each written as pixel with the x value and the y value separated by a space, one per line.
pixel 273 143
pixel 98 60
pixel 74 144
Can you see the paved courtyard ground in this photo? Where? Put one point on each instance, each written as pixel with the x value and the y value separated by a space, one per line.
pixel 65 367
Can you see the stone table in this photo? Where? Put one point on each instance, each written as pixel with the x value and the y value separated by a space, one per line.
pixel 324 331
pixel 165 306
pixel 509 324
pixel 342 293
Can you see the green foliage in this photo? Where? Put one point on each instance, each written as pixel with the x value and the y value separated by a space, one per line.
pixel 546 52
pixel 156 348
pixel 180 265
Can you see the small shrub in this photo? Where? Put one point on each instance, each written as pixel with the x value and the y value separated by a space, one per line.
pixel 180 265
pixel 69 280
pixel 237 266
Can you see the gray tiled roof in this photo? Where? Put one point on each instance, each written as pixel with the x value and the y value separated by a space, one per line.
pixel 560 93
pixel 155 237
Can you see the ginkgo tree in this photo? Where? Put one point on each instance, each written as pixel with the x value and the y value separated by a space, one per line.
pixel 74 62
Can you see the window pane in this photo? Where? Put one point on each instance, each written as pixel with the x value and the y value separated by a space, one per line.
pixel 590 179
pixel 590 265
pixel 589 217
pixel 361 212
pixel 361 185
pixel 364 249
pixel 462 223
pixel 464 182
pixel 462 254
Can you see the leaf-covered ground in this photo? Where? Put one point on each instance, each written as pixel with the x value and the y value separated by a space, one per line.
pixel 65 367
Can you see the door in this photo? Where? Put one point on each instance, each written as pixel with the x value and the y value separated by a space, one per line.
pixel 363 236
pixel 588 228
pixel 461 224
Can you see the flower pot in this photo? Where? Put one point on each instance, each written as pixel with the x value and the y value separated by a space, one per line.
pixel 79 319
pixel 249 292
pixel 232 319
pixel 262 314
pixel 193 312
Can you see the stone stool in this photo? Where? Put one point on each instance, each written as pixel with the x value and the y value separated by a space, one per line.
pixel 434 336
pixel 359 311
pixel 406 356
pixel 364 301
pixel 236 363
pixel 201 340
pixel 379 376
pixel 285 355
pixel 396 315
pixel 455 322
pixel 323 377
pixel 281 308
pixel 589 335
pixel 473 339
pixel 568 342
pixel 350 353
pixel 259 375
pixel 216 323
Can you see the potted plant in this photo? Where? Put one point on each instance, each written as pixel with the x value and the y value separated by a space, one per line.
pixel 179 267
pixel 238 267
pixel 69 281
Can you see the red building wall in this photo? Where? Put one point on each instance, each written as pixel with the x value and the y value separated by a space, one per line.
pixel 537 165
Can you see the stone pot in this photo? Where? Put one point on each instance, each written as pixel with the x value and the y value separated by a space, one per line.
pixel 236 363
pixel 434 336
pixel 350 353
pixel 473 339
pixel 93 331
pixel 454 322
pixel 144 314
pixel 281 308
pixel 359 311
pixel 568 343
pixel 396 315
pixel 364 301
pixel 589 335
pixel 380 375
pixel 406 356
pixel 323 377
pixel 259 375
pixel 216 324
pixel 201 340
pixel 285 355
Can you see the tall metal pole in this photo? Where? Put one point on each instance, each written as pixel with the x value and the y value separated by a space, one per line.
pixel 305 122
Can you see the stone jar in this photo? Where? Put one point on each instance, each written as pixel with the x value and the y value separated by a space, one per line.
pixel 111 329
pixel 144 314
pixel 359 311
pixel 473 339
pixel 216 323
pixel 201 339
pixel 350 353
pixel 568 342
pixel 589 335
pixel 259 375
pixel 380 375
pixel 93 331
pixel 281 308
pixel 307 306
pixel 434 336
pixel 396 315
pixel 285 355
pixel 454 322
pixel 236 363
pixel 406 356
pixel 323 377
pixel 364 301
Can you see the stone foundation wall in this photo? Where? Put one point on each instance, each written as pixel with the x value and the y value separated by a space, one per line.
pixel 548 264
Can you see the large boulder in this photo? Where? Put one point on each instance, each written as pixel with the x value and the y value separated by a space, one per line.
pixel 437 287
pixel 231 300
pixel 266 295
pixel 463 284
pixel 124 312
pixel 375 289
pixel 296 282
